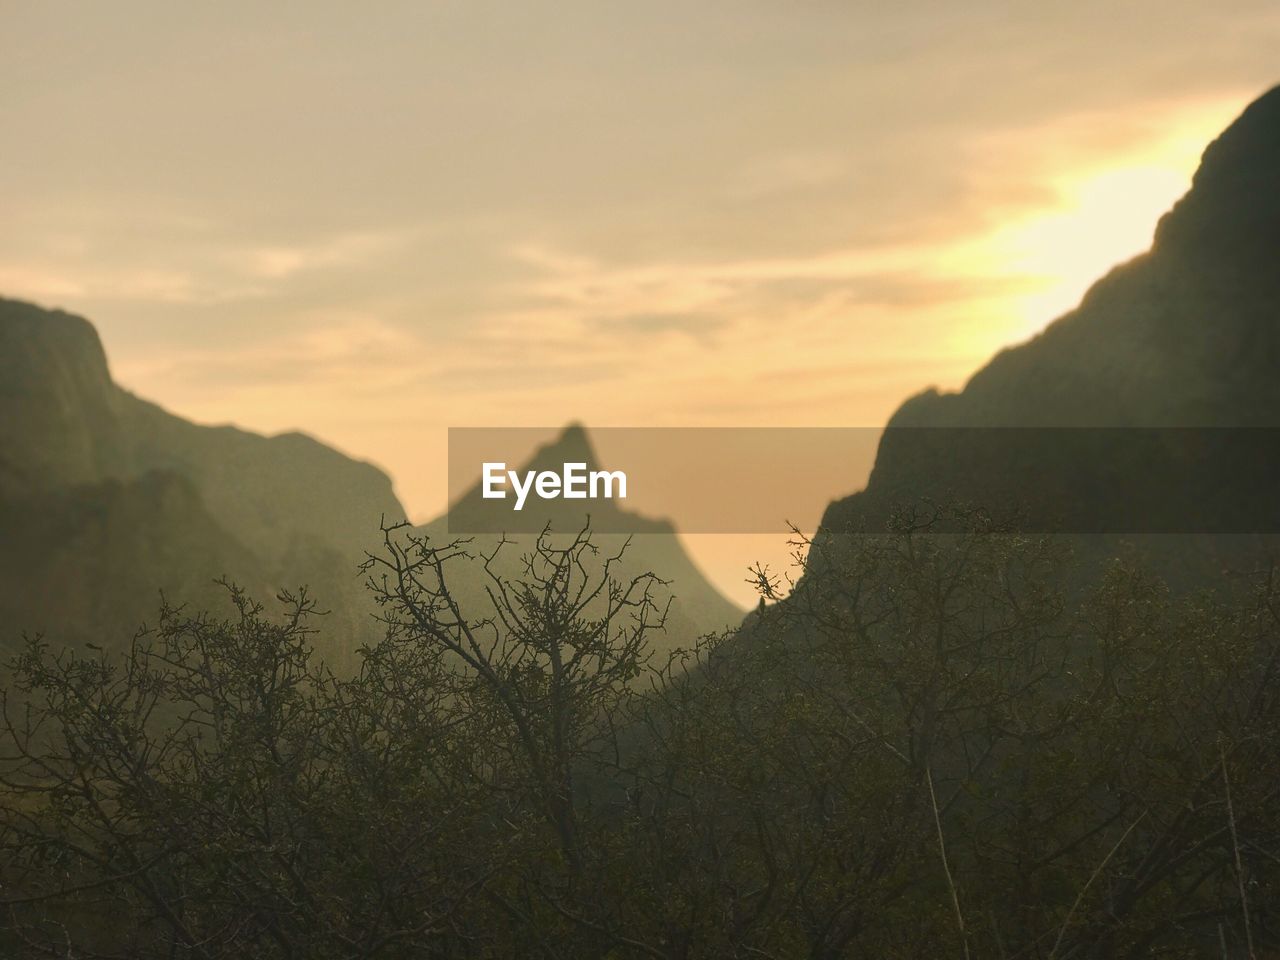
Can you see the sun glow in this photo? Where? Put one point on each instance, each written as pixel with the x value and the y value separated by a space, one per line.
pixel 1104 211
pixel 1105 218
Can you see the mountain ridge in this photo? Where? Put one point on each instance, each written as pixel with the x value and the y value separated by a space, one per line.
pixel 107 500
pixel 1186 334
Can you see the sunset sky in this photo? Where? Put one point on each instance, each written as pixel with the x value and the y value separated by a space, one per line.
pixel 372 222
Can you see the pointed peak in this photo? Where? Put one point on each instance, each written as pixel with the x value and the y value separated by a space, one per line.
pixel 573 445
pixel 574 432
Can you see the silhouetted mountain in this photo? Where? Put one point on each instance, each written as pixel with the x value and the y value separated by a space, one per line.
pixel 73 425
pixel 472 512
pixel 697 607
pixel 87 563
pixel 1186 335
pixel 106 500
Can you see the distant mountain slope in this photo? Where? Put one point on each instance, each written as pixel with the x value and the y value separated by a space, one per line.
pixel 1186 335
pixel 697 608
pixel 87 563
pixel 67 423
pixel 107 499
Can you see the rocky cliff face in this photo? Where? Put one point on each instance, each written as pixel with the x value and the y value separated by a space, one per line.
pixel 60 424
pixel 66 423
pixel 88 563
pixel 106 500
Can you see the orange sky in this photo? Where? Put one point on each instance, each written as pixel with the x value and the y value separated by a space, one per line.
pixel 374 224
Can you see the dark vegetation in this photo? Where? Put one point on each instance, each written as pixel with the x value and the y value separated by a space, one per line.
pixel 929 749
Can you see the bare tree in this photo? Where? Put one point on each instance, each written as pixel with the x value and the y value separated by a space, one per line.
pixel 933 744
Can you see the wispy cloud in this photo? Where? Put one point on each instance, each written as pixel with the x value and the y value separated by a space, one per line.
pixel 786 173
pixel 345 251
pixel 65 279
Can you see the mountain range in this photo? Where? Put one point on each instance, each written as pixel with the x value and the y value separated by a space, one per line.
pixel 107 500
